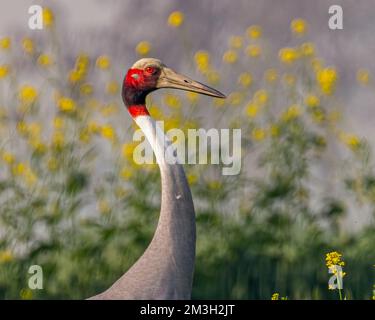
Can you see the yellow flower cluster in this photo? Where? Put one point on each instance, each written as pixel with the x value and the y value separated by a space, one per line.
pixel 78 74
pixel 176 19
pixel 6 256
pixel 254 32
pixel 44 60
pixel 24 171
pixel 143 48
pixel 363 76
pixel 312 101
pixel 334 258
pixel 4 71
pixel 202 61
pixel 258 134
pixel 298 26
pixel 5 43
pixel 230 57
pixel 293 112
pixel 112 88
pixel 28 45
pixel 327 79
pixel 103 62
pixel 48 17
pixel 288 55
pixel 245 79
pixel 27 94
pixel 271 75
pixel 253 51
pixel 236 42
pixel 66 104
pixel 350 140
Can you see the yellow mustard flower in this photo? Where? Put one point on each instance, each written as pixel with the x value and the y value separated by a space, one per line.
pixel 176 19
pixel 288 55
pixel 44 60
pixel 112 87
pixel 58 140
pixel 27 94
pixel 289 79
pixel 126 173
pixel 103 62
pixel 235 98
pixel 214 184
pixel 155 111
pixel 293 112
pixel 245 79
pixel 172 101
pixel 271 75
pixel 352 141
pixel 327 79
pixel 192 179
pixel 230 57
pixel 28 45
pixel 317 64
pixel 26 294
pixel 363 76
pixel 5 43
pixel 213 77
pixel 4 71
pixel 66 104
pixel 307 49
pixel 219 102
pixel 6 256
pixel 312 101
pixel 274 130
pixel 253 51
pixel 254 32
pixel 93 127
pixel 143 48
pixel 275 296
pixel 48 17
pixel 58 122
pixel 86 89
pixel 52 164
pixel 202 60
pixel 258 134
pixel 298 26
pixel 236 42
pixel 193 97
pixel 128 149
pixel 334 258
pixel 261 97
pixel 318 115
pixel 108 132
pixel 252 110
pixel 8 157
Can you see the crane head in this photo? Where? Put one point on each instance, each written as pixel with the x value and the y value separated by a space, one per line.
pixel 149 74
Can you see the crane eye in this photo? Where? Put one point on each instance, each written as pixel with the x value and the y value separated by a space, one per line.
pixel 150 70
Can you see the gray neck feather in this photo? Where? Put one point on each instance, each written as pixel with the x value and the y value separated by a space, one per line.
pixel 165 270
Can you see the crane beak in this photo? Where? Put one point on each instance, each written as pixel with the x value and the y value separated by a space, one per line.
pixel 170 79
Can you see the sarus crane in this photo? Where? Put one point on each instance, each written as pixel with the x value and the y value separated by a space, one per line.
pixel 165 270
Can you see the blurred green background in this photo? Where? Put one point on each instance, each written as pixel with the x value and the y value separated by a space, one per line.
pixel 73 201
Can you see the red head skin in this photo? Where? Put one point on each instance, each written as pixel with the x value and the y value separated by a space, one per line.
pixel 137 84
